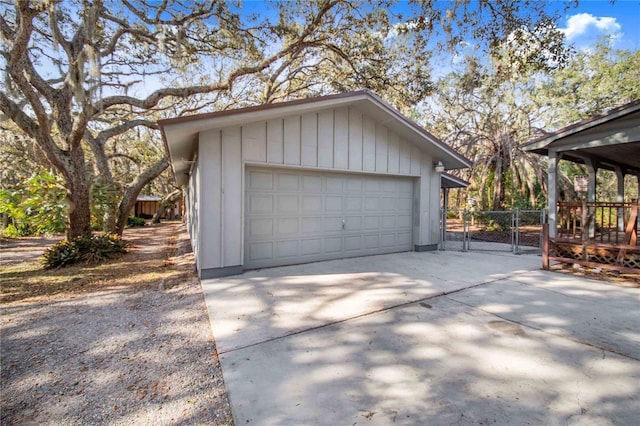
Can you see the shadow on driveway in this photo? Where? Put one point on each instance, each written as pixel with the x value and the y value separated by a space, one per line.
pixel 426 338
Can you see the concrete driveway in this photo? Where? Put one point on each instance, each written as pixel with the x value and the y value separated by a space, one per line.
pixel 426 338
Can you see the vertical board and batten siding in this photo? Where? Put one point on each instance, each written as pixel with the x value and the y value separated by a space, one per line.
pixel 192 192
pixel 209 209
pixel 341 139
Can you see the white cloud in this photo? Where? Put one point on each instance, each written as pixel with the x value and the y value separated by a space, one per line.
pixel 582 23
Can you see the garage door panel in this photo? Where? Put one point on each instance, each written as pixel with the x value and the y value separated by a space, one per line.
pixel 288 182
pixel 260 180
pixel 312 183
pixel 388 222
pixel 334 184
pixel 404 240
pixel 332 245
pixel 288 226
pixel 260 204
pixel 306 216
pixel 288 204
pixel 312 225
pixel 404 205
pixel 260 251
pixel 260 228
pixel 388 186
pixel 404 221
pixel 333 224
pixel 354 185
pixel 388 240
pixel 311 247
pixel 388 203
pixel 311 203
pixel 333 204
pixel 371 241
pixel 371 223
pixel 353 204
pixel 371 203
pixel 287 249
pixel 405 187
pixel 353 224
pixel 353 243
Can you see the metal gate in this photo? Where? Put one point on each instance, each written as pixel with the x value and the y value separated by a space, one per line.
pixel 516 231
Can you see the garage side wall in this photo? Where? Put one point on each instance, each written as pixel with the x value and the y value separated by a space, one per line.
pixel 340 139
pixel 191 210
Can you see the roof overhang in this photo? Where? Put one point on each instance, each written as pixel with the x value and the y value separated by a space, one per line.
pixel 181 134
pixel 611 140
pixel 450 181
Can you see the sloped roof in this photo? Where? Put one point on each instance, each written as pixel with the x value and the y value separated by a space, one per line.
pixel 612 139
pixel 450 181
pixel 181 134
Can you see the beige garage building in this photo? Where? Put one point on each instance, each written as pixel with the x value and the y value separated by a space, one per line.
pixel 316 179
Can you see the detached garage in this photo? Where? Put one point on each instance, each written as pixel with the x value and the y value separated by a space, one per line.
pixel 316 179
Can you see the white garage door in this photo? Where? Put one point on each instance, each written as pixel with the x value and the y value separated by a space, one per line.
pixel 298 216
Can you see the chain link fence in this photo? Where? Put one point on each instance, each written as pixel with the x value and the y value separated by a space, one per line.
pixel 516 231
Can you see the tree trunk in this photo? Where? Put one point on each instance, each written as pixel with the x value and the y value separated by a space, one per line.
pixel 497 193
pixel 131 192
pixel 167 201
pixel 79 222
pixel 124 209
pixel 78 195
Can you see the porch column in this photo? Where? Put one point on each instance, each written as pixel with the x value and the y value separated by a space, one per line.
pixel 552 189
pixel 592 169
pixel 620 197
pixel 445 204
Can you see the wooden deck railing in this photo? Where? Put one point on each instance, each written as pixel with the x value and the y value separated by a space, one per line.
pixel 595 234
pixel 598 222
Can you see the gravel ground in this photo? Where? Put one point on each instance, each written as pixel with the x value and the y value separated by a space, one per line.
pixel 123 355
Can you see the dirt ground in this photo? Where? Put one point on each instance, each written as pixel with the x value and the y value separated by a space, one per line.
pixel 529 234
pixel 124 343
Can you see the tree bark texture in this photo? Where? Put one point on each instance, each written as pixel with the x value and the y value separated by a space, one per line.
pixel 79 197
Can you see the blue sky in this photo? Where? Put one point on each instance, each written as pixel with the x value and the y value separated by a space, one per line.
pixel 584 24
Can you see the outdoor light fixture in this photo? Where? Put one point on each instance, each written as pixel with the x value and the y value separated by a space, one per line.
pixel 439 167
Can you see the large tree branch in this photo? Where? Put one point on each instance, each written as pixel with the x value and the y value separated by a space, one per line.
pixel 53 153
pixel 292 49
pixel 17 62
pixel 99 156
pixel 203 12
pixel 184 92
pixel 128 157
pixel 131 192
pixel 111 132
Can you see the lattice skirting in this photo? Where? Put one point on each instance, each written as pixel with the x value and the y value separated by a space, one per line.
pixel 605 256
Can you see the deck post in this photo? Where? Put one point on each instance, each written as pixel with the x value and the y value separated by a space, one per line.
pixel 620 197
pixel 592 170
pixel 552 174
pixel 545 246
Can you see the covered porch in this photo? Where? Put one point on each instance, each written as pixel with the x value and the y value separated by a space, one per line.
pixel 595 232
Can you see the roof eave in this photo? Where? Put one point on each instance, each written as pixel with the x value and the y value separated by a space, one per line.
pixel 541 144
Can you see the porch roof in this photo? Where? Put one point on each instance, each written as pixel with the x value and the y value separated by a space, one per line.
pixel 450 181
pixel 611 140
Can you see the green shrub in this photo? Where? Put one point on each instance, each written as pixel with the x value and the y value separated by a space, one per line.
pixel 37 206
pixel 11 231
pixel 89 250
pixel 133 222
